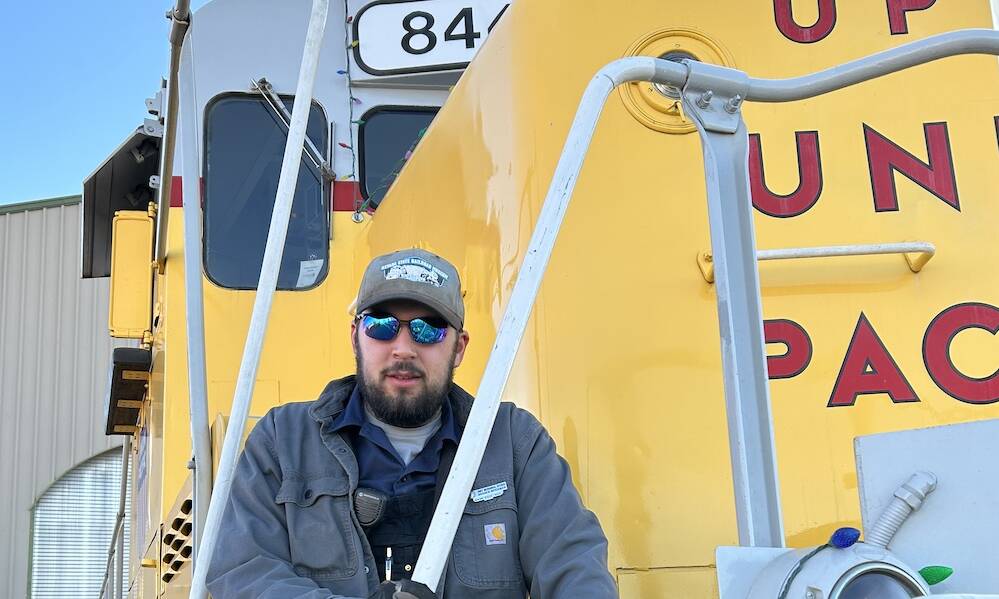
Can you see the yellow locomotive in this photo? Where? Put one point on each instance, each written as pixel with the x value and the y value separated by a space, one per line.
pixel 413 143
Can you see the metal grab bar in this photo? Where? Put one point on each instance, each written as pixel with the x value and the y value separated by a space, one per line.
pixel 916 254
pixel 181 19
pixel 117 538
pixel 194 301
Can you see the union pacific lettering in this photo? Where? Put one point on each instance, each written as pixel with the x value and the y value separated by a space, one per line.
pixel 869 368
pixel 884 159
pixel 825 23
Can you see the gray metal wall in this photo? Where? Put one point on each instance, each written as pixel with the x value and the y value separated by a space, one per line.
pixel 54 358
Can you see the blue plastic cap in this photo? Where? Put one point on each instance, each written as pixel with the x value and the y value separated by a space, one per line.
pixel 844 537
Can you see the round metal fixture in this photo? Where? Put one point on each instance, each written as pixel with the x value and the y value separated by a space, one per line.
pixel 876 580
pixel 657 106
pixel 860 571
pixel 675 56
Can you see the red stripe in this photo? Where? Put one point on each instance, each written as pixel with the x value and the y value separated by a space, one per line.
pixel 176 192
pixel 346 195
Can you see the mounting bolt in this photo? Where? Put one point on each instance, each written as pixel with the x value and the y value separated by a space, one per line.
pixel 732 106
pixel 705 100
pixel 357 217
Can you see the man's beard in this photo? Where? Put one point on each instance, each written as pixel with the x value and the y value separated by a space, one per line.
pixel 406 410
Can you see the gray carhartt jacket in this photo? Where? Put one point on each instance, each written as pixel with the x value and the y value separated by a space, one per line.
pixel 289 529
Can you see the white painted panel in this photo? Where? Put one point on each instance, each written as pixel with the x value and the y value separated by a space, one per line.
pixel 956 525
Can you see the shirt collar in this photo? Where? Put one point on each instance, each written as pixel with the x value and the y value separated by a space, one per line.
pixel 353 416
pixel 449 429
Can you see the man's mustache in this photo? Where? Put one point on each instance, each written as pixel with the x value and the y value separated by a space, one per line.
pixel 403 369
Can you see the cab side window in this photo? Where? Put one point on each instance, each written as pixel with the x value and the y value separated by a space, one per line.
pixel 387 135
pixel 244 147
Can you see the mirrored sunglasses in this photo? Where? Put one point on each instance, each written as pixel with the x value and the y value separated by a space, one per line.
pixel 426 330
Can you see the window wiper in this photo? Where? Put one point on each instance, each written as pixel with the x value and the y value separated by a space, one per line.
pixel 281 114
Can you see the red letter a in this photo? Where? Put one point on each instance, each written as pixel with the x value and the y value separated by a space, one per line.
pixel 869 368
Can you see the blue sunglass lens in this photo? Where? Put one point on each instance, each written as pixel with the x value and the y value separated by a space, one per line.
pixel 426 333
pixel 382 329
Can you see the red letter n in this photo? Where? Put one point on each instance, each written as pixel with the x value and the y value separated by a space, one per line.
pixel 884 157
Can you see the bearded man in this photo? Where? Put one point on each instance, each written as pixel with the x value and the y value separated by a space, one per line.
pixel 333 498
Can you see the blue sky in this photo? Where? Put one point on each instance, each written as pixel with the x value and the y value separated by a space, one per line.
pixel 77 74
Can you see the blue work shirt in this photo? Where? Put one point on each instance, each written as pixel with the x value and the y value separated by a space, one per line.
pixel 378 463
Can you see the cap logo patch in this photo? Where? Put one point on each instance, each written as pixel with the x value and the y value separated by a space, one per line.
pixel 415 269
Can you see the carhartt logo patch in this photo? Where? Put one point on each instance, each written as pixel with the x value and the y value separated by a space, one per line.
pixel 495 534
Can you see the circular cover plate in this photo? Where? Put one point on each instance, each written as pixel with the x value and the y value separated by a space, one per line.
pixel 649 105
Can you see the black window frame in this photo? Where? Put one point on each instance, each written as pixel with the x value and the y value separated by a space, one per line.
pixel 361 175
pixel 325 192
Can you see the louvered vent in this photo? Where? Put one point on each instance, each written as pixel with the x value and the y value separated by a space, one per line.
pixel 72 524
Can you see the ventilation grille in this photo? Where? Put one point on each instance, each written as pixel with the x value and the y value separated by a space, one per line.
pixel 178 540
pixel 72 524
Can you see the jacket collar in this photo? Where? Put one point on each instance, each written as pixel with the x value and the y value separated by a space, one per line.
pixel 334 398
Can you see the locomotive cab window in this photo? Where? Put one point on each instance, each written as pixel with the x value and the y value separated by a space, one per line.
pixel 244 147
pixel 387 135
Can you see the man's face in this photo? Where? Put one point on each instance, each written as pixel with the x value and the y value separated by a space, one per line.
pixel 404 382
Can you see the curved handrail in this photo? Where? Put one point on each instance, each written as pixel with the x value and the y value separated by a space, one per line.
pixel 967 41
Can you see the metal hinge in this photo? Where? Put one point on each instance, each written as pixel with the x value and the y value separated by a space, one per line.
pixel 154 105
pixel 152 127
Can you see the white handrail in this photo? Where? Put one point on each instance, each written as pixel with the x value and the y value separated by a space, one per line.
pixel 197 375
pixel 916 253
pixel 968 41
pixel 181 18
pixel 266 286
pixel 437 544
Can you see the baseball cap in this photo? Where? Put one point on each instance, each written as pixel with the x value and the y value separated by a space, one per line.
pixel 417 275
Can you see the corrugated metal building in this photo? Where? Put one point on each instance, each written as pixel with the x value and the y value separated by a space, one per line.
pixel 54 357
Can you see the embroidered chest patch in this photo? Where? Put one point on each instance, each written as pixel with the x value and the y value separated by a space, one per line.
pixel 490 492
pixel 495 534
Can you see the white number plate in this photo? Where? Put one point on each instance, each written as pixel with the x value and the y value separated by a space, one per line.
pixel 410 36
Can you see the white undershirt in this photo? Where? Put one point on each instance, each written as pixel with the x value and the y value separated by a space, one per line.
pixel 407 441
